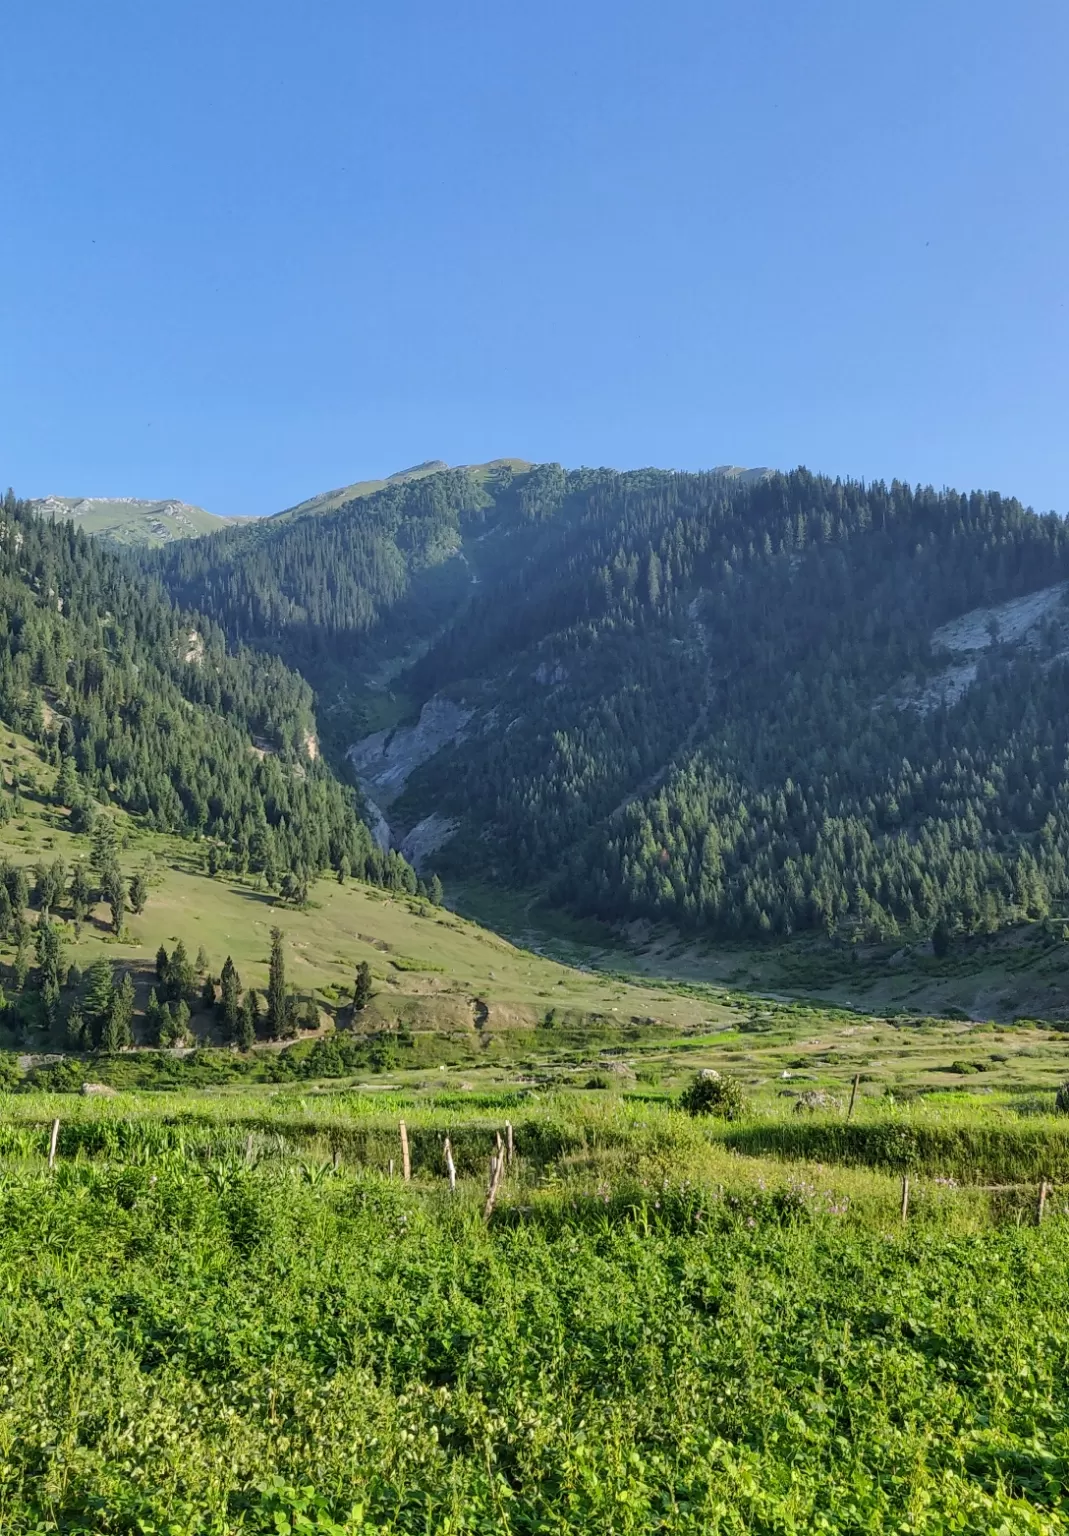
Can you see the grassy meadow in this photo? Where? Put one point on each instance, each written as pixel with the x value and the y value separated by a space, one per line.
pixel 221 1313
pixel 224 1310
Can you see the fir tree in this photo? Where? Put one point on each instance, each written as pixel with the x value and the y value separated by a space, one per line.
pixel 229 989
pixel 180 975
pixel 362 987
pixel 66 783
pixel 246 1026
pixel 117 1032
pixel 276 988
pixel 138 893
pixel 100 990
pixel 114 890
pixel 81 894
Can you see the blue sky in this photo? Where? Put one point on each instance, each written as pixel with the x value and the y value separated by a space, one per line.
pixel 254 250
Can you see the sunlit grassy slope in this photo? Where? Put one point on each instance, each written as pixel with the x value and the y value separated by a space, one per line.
pixel 126 520
pixel 507 1008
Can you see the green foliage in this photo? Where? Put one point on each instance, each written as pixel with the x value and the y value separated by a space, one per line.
pixel 179 975
pixel 138 893
pixel 362 987
pixel 709 1093
pixel 1061 1099
pixel 378 1359
pixel 229 994
pixel 277 1003
pixel 692 693
pixel 158 715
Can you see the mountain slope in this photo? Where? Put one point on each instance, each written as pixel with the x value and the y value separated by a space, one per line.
pixel 126 520
pixel 143 705
pixel 687 697
pixel 332 501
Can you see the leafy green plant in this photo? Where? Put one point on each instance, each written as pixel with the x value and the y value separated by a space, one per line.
pixel 709 1093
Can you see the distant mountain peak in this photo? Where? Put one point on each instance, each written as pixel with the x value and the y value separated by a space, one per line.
pixel 131 520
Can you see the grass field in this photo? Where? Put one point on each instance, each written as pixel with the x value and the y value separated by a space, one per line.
pixel 220 1314
pixel 224 1311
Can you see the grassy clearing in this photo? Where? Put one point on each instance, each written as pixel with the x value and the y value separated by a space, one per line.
pixel 654 1333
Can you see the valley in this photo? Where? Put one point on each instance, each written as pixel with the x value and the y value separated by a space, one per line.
pixel 530 1040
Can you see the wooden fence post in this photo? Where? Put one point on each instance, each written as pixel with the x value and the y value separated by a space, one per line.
pixel 53 1144
pixel 248 1149
pixel 905 1196
pixel 406 1163
pixel 853 1095
pixel 450 1167
pixel 391 1167
pixel 1043 1191
pixel 497 1168
pixel 509 1142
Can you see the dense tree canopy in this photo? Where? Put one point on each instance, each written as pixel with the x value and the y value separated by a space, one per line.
pixel 139 703
pixel 694 699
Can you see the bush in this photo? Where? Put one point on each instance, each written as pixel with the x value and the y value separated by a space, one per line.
pixel 711 1094
pixel 1061 1100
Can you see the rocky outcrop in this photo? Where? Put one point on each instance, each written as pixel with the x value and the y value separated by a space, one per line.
pixel 385 760
pixel 426 837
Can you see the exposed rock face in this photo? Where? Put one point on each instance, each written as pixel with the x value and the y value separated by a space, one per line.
pixel 384 761
pixel 379 826
pixel 426 837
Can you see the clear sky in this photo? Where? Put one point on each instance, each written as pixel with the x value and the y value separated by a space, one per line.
pixel 252 250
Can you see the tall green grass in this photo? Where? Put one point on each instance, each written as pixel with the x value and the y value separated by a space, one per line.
pixel 210 1347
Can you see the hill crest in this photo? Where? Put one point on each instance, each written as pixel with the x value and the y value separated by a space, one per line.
pixel 131 520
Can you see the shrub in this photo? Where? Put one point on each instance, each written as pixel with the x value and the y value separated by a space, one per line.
pixel 711 1094
pixel 1061 1100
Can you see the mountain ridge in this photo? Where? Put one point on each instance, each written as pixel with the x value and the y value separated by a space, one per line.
pixel 130 520
pixel 679 693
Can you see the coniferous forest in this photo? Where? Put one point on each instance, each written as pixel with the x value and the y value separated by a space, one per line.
pixel 139 704
pixel 726 705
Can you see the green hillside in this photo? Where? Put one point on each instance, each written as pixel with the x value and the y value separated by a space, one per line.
pixel 745 706
pixel 126 520
pixel 331 501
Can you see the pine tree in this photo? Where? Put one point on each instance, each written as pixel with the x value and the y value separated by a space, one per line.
pixel 18 888
pixel 180 974
pixel 118 1026
pixel 163 961
pixel 154 1018
pixel 105 850
pixel 115 895
pixel 66 783
pixel 362 987
pixel 81 894
pixel 435 891
pixel 100 990
pixel 276 988
pixel 229 989
pixel 207 994
pixel 49 949
pixel 76 1030
pixel 138 893
pixel 246 1027
pixel 256 1013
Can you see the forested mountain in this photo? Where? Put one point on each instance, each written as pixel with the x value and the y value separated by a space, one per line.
pixel 736 703
pixel 144 705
